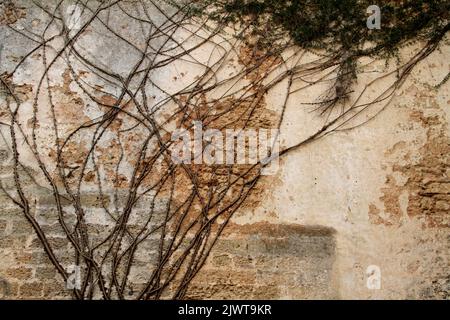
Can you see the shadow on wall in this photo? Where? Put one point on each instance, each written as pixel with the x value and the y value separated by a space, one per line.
pixel 269 261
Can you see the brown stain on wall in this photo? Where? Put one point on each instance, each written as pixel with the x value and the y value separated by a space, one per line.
pixel 10 13
pixel 68 105
pixel 427 180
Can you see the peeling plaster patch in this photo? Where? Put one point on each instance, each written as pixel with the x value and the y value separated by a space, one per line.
pixel 419 190
pixel 10 13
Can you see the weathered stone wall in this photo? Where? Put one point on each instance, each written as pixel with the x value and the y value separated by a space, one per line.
pixel 377 195
pixel 383 187
pixel 269 261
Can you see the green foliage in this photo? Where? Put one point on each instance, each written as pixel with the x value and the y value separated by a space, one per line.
pixel 340 25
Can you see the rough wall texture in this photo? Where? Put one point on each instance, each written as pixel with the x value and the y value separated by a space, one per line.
pixel 269 261
pixel 384 188
pixel 375 195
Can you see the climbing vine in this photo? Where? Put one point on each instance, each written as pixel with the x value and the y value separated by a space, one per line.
pixel 111 132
